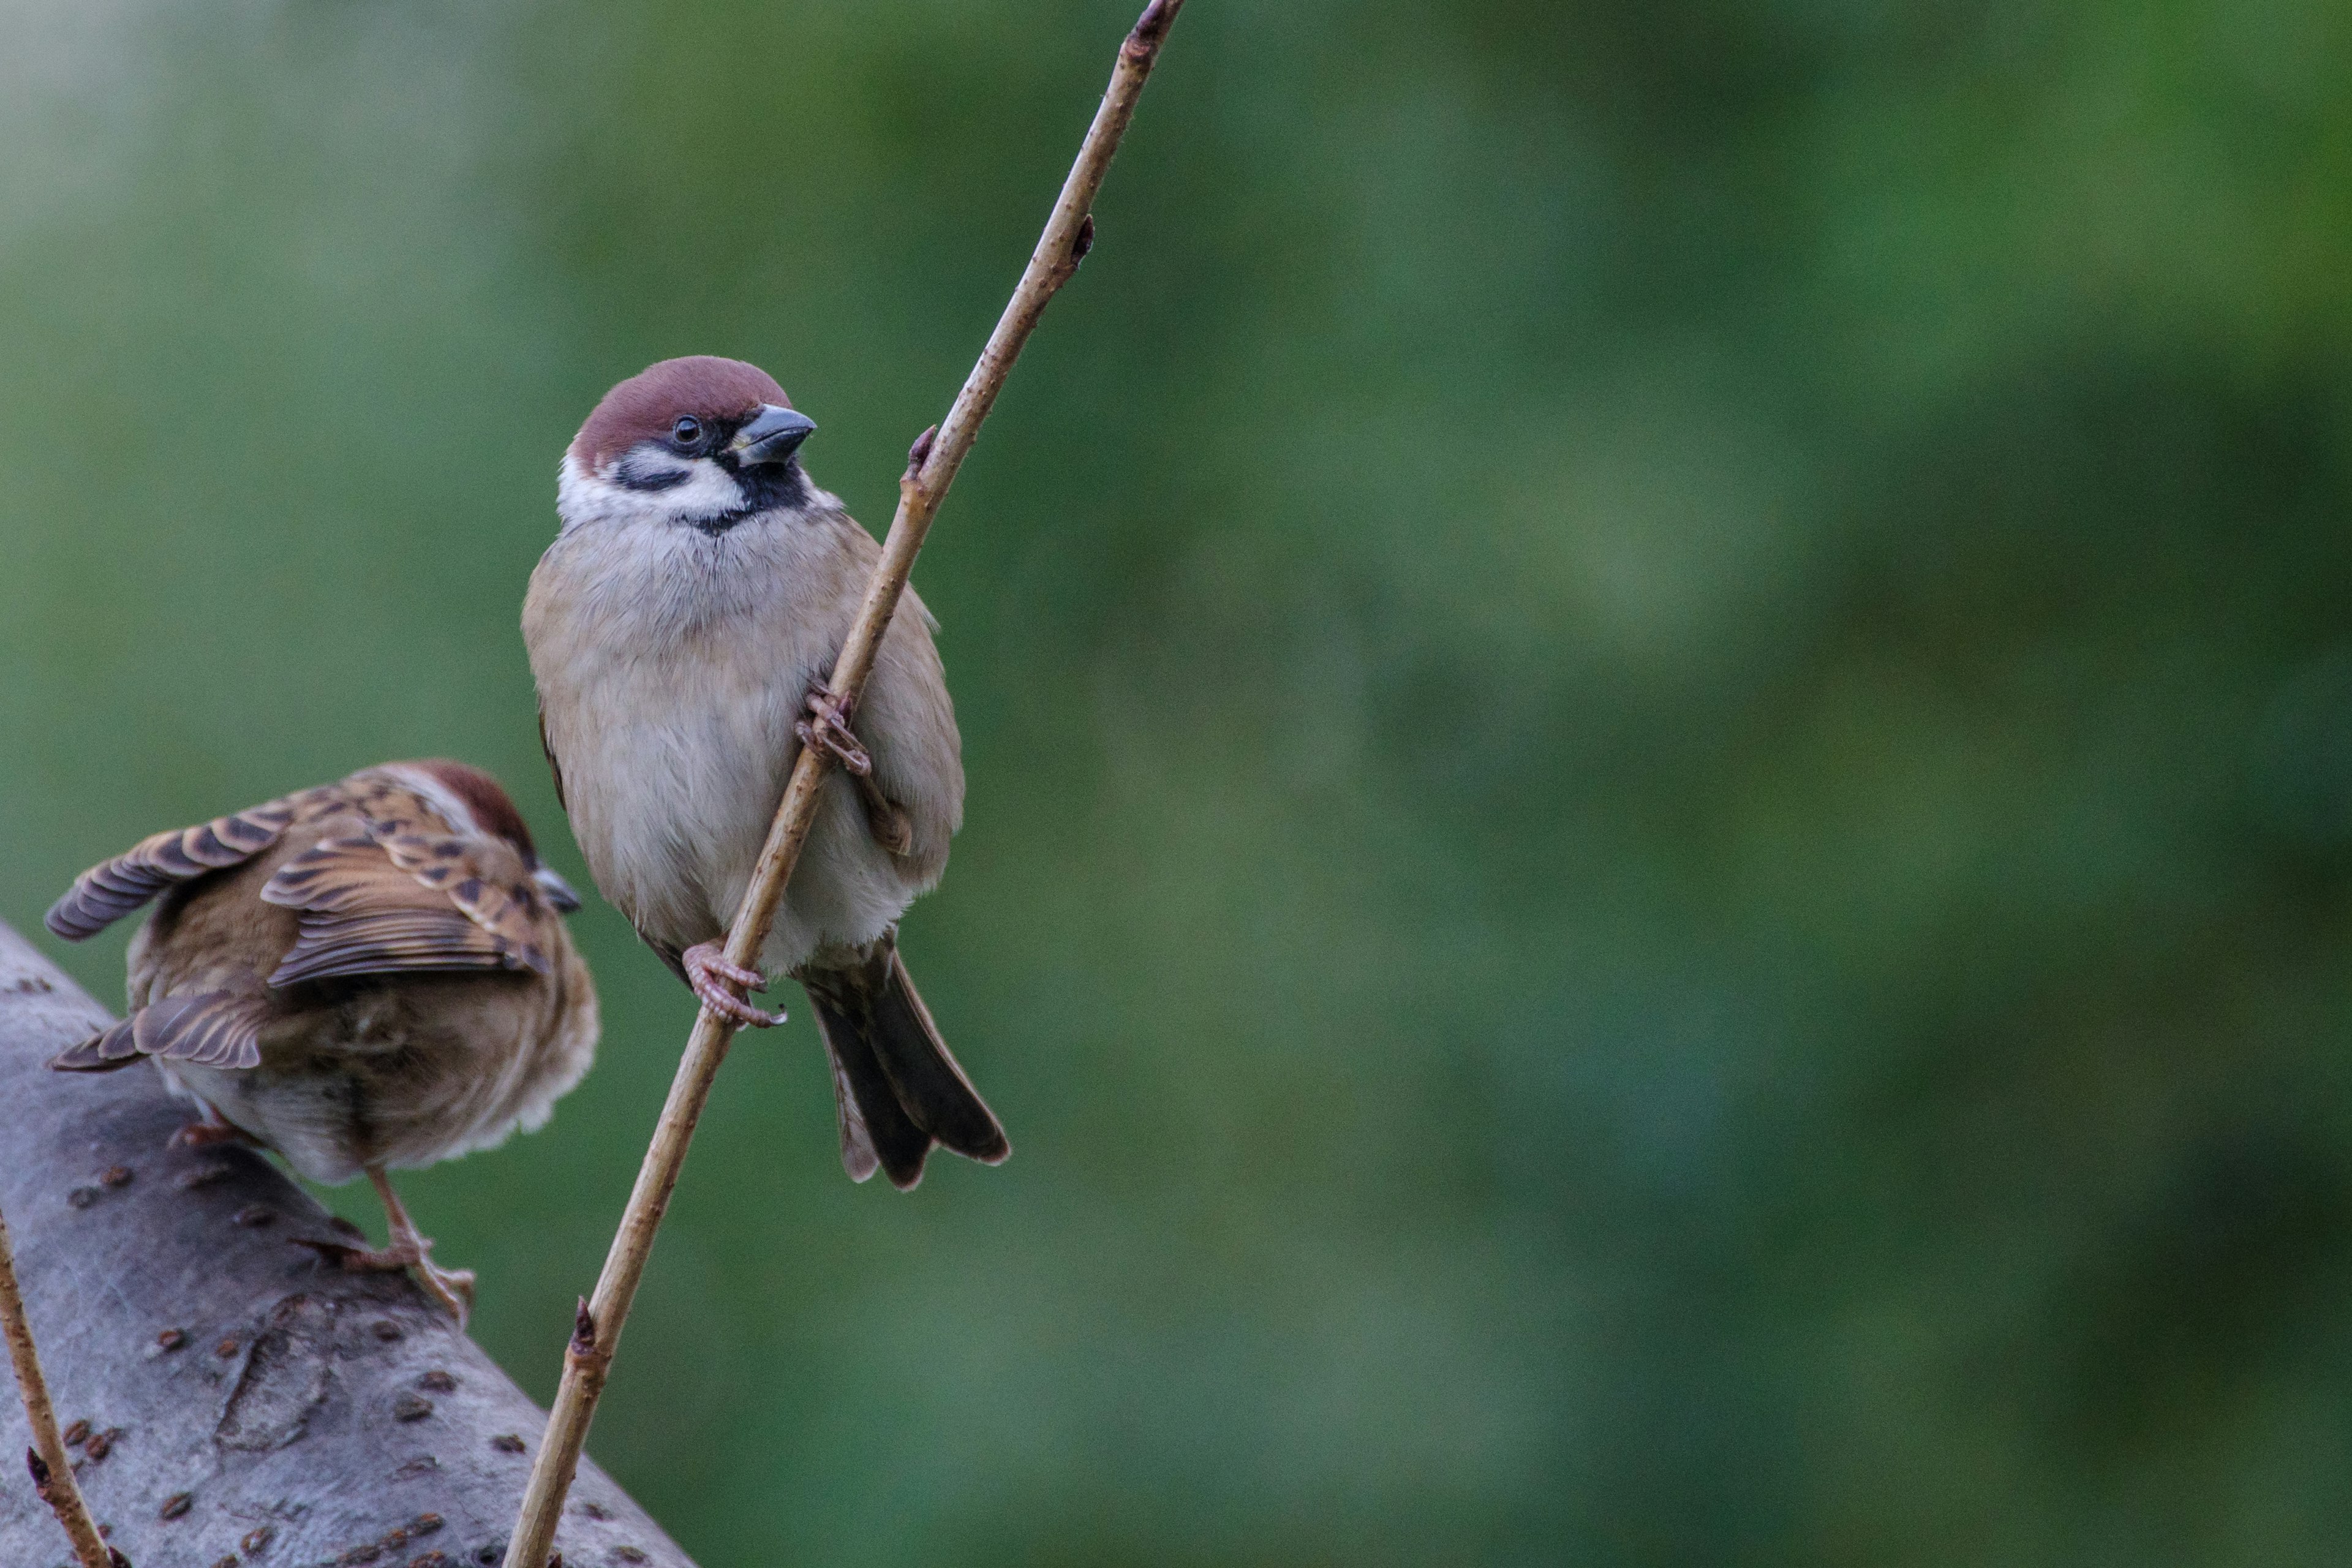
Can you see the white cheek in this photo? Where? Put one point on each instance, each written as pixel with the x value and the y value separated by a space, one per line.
pixel 706 490
pixel 692 487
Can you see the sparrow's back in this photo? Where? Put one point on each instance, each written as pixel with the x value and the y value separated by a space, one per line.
pixel 356 975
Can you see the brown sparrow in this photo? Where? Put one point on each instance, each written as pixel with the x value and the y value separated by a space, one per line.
pixel 368 975
pixel 680 630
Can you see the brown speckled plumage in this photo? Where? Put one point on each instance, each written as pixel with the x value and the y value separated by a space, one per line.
pixel 371 974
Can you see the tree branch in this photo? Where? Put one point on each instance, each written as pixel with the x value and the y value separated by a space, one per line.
pixel 53 1477
pixel 230 1397
pixel 930 468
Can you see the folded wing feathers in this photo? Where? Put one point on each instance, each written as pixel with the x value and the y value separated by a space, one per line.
pixel 485 879
pixel 106 892
pixel 116 1047
pixel 213 1028
pixel 389 940
pixel 402 899
pixel 395 898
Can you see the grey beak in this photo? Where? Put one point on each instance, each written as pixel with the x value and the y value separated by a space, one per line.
pixel 559 892
pixel 771 434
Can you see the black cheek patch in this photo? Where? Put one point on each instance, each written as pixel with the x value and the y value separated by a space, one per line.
pixel 632 472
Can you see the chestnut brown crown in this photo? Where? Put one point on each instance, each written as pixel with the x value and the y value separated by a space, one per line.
pixel 645 406
pixel 494 811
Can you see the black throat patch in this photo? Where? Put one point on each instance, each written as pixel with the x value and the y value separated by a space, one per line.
pixel 767 487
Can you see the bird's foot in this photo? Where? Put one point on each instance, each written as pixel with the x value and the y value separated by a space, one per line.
pixel 887 820
pixel 830 729
pixel 721 984
pixel 211 1132
pixel 452 1287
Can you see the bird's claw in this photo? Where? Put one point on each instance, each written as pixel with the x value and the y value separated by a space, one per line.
pixel 452 1287
pixel 829 730
pixel 721 984
pixel 207 1134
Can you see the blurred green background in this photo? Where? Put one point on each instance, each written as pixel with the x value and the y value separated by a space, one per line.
pixel 1659 703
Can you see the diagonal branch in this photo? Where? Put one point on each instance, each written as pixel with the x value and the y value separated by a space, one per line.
pixel 930 468
pixel 53 1475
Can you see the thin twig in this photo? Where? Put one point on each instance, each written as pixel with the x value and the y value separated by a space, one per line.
pixel 930 468
pixel 52 1470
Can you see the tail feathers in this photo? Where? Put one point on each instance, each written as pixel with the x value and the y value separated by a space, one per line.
pixel 896 1084
pixel 882 1136
pixel 930 1083
pixel 103 1052
pixel 214 1028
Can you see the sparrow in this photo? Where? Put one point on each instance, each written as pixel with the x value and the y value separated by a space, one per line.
pixel 680 630
pixel 366 977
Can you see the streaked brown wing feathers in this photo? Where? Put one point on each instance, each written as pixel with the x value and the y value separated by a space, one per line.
pixel 211 1028
pixel 409 896
pixel 114 1046
pixel 385 942
pixel 215 1029
pixel 106 892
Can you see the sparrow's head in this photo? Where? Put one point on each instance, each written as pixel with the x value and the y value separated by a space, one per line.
pixel 699 442
pixel 471 802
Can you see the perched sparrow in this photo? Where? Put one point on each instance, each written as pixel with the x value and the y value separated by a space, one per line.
pixel 680 628
pixel 367 975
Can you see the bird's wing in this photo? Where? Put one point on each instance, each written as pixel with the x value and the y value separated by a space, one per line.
pixel 555 762
pixel 407 895
pixel 213 1028
pixel 107 891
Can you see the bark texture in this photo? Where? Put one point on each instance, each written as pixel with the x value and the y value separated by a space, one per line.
pixel 240 1402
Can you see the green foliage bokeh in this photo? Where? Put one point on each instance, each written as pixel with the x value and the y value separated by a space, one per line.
pixel 1659 715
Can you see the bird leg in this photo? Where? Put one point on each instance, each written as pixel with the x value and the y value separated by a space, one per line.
pixel 886 819
pixel 722 984
pixel 214 1129
pixel 889 824
pixel 829 730
pixel 452 1288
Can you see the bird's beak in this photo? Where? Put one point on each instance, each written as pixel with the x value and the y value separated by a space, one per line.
pixel 771 434
pixel 559 892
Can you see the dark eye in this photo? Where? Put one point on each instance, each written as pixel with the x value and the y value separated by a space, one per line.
pixel 686 431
